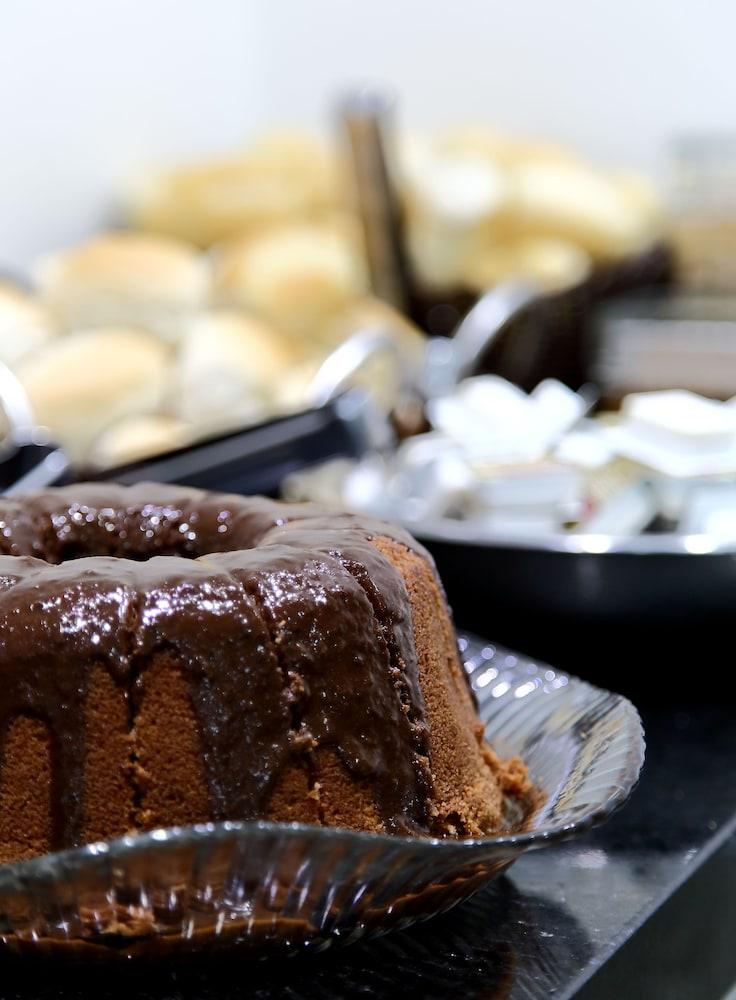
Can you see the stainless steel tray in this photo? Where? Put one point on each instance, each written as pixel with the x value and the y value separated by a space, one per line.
pixel 652 577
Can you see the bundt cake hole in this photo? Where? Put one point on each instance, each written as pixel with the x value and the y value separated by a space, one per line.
pixel 137 533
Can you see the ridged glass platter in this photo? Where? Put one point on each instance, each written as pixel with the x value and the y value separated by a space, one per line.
pixel 284 888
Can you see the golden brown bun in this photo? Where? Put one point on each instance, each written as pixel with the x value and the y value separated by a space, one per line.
pixel 25 325
pixel 369 313
pixel 546 262
pixel 453 203
pixel 643 198
pixel 127 279
pixel 293 391
pixel 229 368
pixel 482 207
pixel 296 277
pixel 382 374
pixel 138 437
pixel 283 176
pixel 290 366
pixel 585 206
pixel 84 382
pixel 500 148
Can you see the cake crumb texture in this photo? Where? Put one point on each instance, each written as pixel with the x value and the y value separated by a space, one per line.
pixel 25 791
pixel 108 793
pixel 468 800
pixel 167 770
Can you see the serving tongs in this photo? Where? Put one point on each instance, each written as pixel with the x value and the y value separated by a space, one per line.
pixel 366 122
pixel 29 460
pixel 340 420
pixel 363 118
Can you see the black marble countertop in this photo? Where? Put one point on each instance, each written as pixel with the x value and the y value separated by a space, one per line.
pixel 612 910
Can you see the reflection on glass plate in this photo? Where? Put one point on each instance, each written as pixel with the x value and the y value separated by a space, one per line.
pixel 280 887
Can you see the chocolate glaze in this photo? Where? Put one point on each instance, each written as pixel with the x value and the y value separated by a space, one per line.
pixel 292 630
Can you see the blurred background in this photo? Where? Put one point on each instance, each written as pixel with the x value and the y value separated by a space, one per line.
pixel 97 93
pixel 470 269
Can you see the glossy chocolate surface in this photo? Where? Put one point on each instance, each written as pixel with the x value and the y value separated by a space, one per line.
pixel 292 630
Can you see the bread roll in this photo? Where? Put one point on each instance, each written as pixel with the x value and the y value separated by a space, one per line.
pixel 137 437
pixel 281 177
pixel 465 231
pixel 82 383
pixel 453 202
pixel 582 205
pixel 500 147
pixel 25 326
pixel 369 313
pixel 295 277
pixel 383 373
pixel 643 196
pixel 545 262
pixel 229 370
pixel 293 392
pixel 127 279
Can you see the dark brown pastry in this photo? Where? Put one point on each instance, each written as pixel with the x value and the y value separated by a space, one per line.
pixel 169 656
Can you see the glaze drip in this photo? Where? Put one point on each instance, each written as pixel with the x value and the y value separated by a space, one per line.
pixel 291 631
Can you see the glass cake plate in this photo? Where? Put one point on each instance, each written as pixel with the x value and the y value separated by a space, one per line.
pixel 286 888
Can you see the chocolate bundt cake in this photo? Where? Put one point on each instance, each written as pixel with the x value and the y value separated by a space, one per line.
pixel 169 656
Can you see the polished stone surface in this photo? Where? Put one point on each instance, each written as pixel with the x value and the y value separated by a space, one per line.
pixel 544 930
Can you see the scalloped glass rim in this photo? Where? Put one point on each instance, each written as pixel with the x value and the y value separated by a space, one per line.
pixel 585 747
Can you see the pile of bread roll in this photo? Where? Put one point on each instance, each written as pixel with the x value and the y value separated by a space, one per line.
pixel 238 276
pixel 483 208
pixel 135 343
pixel 480 207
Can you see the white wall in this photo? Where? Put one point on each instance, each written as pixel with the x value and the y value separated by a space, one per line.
pixel 94 88
pixel 615 77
